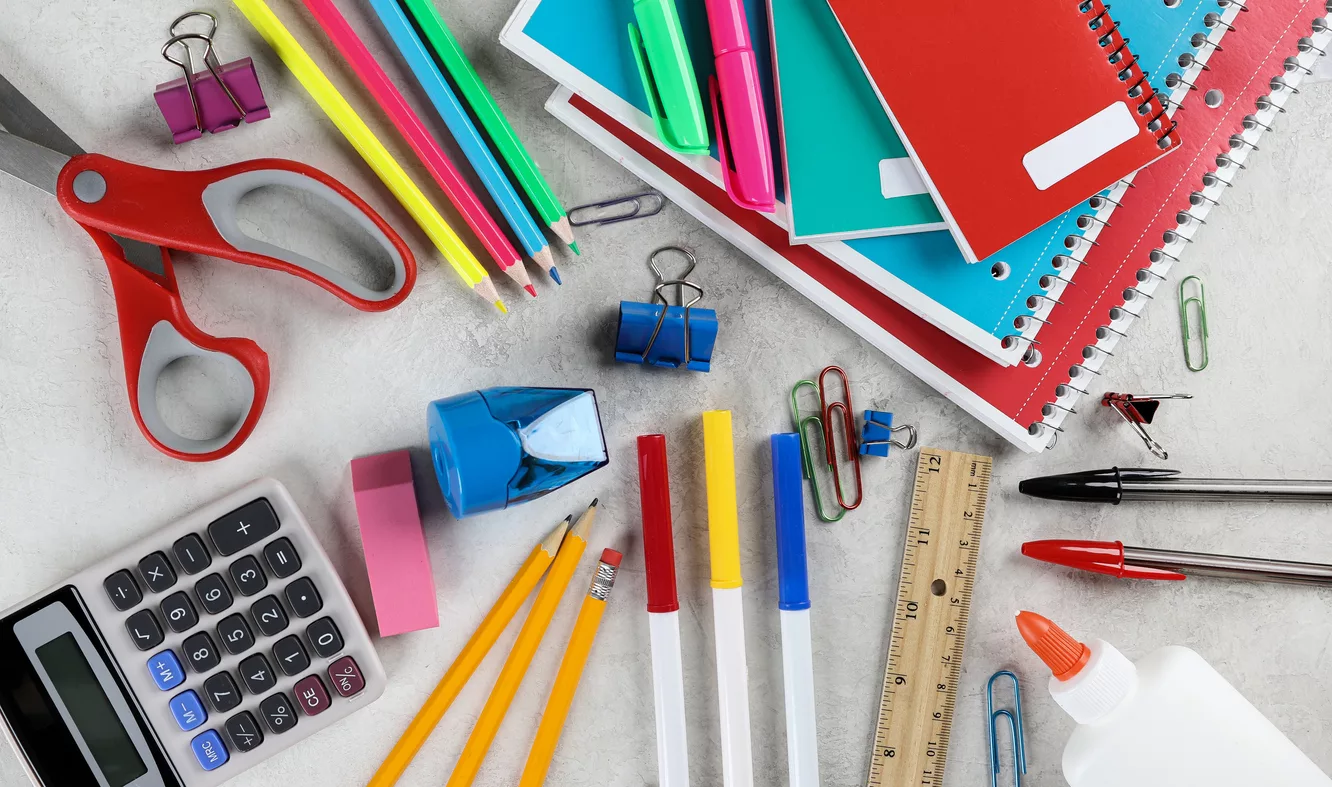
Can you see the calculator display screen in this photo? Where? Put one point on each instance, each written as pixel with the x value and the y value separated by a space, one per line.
pixel 91 710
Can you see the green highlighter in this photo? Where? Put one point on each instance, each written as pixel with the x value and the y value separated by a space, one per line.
pixel 668 77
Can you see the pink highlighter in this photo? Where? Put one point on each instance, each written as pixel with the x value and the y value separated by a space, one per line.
pixel 746 152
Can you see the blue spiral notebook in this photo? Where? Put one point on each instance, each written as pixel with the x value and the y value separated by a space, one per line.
pixel 996 306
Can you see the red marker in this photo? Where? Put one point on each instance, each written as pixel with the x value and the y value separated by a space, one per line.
pixel 1117 560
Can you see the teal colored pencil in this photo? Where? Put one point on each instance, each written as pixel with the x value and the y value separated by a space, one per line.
pixel 451 110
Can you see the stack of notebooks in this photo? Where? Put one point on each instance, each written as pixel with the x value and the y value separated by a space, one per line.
pixel 994 219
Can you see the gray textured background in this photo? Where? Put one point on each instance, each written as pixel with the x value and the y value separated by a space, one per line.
pixel 79 480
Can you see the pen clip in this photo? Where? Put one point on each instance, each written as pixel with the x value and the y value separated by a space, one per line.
pixel 655 107
pixel 729 177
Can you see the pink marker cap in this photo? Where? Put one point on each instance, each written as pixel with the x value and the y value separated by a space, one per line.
pixel 401 582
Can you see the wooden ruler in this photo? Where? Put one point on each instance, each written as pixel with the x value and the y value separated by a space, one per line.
pixel 920 682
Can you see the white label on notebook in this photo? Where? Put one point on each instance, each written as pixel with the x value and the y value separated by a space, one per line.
pixel 898 177
pixel 1074 149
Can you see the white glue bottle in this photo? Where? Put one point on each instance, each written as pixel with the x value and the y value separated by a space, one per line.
pixel 1167 721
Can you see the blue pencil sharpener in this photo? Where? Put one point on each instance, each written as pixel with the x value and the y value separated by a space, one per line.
pixel 660 334
pixel 504 446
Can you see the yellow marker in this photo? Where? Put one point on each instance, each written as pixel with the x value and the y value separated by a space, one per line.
pixel 728 612
pixel 524 649
pixel 571 671
pixel 371 149
pixel 467 661
pixel 723 521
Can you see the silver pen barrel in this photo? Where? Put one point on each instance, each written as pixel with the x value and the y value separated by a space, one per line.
pixel 1255 569
pixel 1223 489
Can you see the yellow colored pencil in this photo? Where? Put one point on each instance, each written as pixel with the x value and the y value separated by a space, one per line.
pixel 513 597
pixel 571 671
pixel 464 263
pixel 524 649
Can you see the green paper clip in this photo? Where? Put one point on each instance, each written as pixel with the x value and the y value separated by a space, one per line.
pixel 669 81
pixel 806 457
pixel 1199 362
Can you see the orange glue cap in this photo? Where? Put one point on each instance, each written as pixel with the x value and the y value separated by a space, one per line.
pixel 1064 655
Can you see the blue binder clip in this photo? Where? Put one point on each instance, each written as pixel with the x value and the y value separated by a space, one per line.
pixel 879 434
pixel 665 335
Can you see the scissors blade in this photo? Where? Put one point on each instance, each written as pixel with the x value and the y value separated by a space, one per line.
pixel 30 162
pixel 21 117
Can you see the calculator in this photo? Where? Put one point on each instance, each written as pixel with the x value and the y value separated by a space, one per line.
pixel 189 657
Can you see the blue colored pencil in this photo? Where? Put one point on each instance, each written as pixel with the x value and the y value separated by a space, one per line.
pixel 451 110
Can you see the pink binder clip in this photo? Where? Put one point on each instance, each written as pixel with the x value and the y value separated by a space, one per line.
pixel 215 100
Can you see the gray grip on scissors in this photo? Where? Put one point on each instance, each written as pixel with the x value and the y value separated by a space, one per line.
pixel 222 201
pixel 165 346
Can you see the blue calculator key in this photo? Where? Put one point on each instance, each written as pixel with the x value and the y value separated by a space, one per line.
pixel 189 711
pixel 210 750
pixel 166 670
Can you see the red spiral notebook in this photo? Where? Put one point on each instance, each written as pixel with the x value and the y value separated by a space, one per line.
pixel 1272 44
pixel 1045 106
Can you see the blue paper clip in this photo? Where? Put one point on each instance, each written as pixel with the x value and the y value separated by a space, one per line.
pixel 879 434
pixel 664 335
pixel 1014 720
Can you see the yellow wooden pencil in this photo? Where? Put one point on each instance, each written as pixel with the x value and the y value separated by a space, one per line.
pixel 571 671
pixel 524 648
pixel 467 661
pixel 464 263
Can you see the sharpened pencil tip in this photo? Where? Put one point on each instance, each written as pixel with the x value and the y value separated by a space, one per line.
pixel 531 290
pixel 500 305
pixel 554 274
pixel 574 246
pixel 595 501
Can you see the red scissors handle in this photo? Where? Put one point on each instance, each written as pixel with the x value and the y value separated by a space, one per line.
pixel 154 332
pixel 197 212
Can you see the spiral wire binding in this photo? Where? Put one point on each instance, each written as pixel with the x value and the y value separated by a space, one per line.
pixel 1162 258
pixel 1149 101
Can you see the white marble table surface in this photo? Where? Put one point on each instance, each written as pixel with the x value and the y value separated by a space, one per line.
pixel 77 479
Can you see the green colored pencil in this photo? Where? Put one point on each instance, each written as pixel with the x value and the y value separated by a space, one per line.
pixel 488 112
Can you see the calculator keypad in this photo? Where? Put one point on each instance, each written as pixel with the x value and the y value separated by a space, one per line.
pixel 229 682
pixel 157 572
pixel 178 612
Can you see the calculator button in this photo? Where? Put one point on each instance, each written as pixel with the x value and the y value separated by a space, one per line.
pixel 270 616
pixel 303 598
pixel 324 637
pixel 143 629
pixel 248 576
pixel 179 612
pixel 210 751
pixel 244 732
pixel 235 635
pixel 157 572
pixel 201 653
pixel 346 676
pixel 277 713
pixel 243 528
pixel 282 558
pixel 257 675
pixel 213 593
pixel 191 554
pixel 123 590
pixel 291 656
pixel 221 692
pixel 166 670
pixel 311 695
pixel 189 712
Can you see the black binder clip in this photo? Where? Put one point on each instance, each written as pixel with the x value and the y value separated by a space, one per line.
pixel 665 335
pixel 1140 409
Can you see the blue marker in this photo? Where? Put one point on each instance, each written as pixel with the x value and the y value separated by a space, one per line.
pixel 441 94
pixel 788 489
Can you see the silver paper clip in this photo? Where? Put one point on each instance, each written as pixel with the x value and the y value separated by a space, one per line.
pixel 649 203
pixel 1013 719
pixel 1139 410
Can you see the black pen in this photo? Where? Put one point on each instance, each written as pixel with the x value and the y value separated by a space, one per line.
pixel 1136 483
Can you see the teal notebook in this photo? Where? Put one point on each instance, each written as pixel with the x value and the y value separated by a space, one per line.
pixel 847 173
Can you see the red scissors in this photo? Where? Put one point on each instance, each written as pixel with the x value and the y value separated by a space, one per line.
pixel 135 214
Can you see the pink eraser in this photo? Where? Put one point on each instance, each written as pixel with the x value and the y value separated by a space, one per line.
pixel 611 558
pixel 396 560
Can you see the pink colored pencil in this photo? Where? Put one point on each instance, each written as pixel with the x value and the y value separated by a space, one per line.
pixel 409 124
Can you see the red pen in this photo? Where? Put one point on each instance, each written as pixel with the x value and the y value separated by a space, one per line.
pixel 1117 560
pixel 737 108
